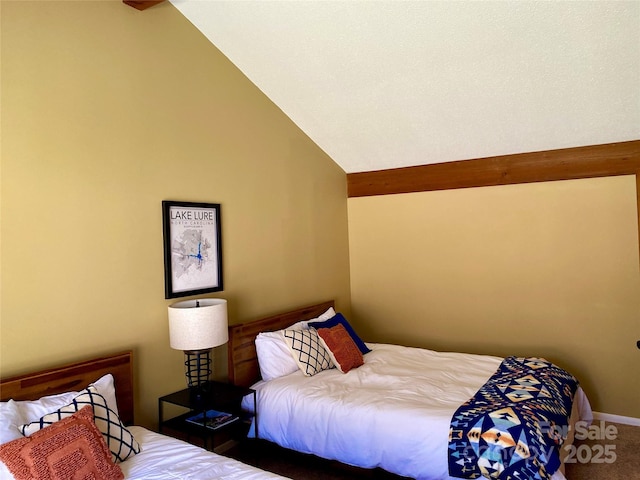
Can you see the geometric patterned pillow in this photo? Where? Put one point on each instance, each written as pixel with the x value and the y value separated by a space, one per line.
pixel 119 440
pixel 70 448
pixel 307 351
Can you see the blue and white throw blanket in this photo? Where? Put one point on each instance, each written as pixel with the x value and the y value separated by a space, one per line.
pixel 515 424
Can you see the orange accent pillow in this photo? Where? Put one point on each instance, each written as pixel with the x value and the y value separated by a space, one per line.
pixel 343 351
pixel 68 449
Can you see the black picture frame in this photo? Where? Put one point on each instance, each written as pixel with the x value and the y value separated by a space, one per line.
pixel 192 237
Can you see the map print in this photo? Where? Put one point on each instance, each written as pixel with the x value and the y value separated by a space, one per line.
pixel 191 250
pixel 194 249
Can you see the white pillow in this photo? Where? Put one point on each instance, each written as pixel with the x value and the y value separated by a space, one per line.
pixel 10 418
pixel 274 355
pixel 106 387
pixel 304 324
pixel 31 410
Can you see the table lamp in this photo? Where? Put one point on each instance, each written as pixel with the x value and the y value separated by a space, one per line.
pixel 196 327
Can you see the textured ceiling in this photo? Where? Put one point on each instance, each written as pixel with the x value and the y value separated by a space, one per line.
pixel 387 84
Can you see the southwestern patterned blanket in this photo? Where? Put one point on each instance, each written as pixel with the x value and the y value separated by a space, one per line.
pixel 515 424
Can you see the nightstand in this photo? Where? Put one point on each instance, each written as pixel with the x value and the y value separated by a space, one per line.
pixel 223 397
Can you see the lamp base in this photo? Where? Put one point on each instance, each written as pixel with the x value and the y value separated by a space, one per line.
pixel 198 366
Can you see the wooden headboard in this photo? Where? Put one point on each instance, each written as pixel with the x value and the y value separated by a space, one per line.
pixel 243 360
pixel 75 377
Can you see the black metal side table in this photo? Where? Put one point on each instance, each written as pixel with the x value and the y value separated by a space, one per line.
pixel 223 397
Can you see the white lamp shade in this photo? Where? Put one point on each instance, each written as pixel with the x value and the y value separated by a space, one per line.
pixel 193 327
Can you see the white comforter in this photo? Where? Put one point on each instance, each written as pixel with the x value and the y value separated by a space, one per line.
pixel 393 412
pixel 164 458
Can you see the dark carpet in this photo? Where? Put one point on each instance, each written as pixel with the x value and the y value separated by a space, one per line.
pixel 299 466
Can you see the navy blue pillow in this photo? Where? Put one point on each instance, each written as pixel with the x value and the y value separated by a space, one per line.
pixel 339 319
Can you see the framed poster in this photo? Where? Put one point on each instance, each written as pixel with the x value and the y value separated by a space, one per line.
pixel 192 248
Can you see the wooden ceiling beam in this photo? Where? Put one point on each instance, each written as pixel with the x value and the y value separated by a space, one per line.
pixel 610 159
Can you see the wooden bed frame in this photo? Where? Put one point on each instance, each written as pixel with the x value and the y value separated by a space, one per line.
pixel 75 377
pixel 243 360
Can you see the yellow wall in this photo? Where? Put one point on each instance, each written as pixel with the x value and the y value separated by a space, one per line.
pixel 544 269
pixel 107 111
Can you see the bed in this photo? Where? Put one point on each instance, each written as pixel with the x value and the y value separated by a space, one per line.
pixel 26 397
pixel 400 409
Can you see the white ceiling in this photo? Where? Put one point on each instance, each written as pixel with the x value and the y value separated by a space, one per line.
pixel 388 83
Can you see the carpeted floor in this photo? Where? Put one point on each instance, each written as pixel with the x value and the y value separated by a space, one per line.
pixel 615 458
pixel 299 466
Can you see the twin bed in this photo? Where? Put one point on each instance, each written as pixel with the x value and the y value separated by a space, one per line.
pixel 26 397
pixel 395 411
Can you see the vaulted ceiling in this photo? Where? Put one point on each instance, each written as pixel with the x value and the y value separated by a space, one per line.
pixel 389 83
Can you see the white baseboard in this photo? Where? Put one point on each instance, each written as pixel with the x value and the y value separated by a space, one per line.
pixel 608 417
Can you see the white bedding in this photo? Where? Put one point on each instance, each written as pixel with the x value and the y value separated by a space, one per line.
pixel 393 412
pixel 164 458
